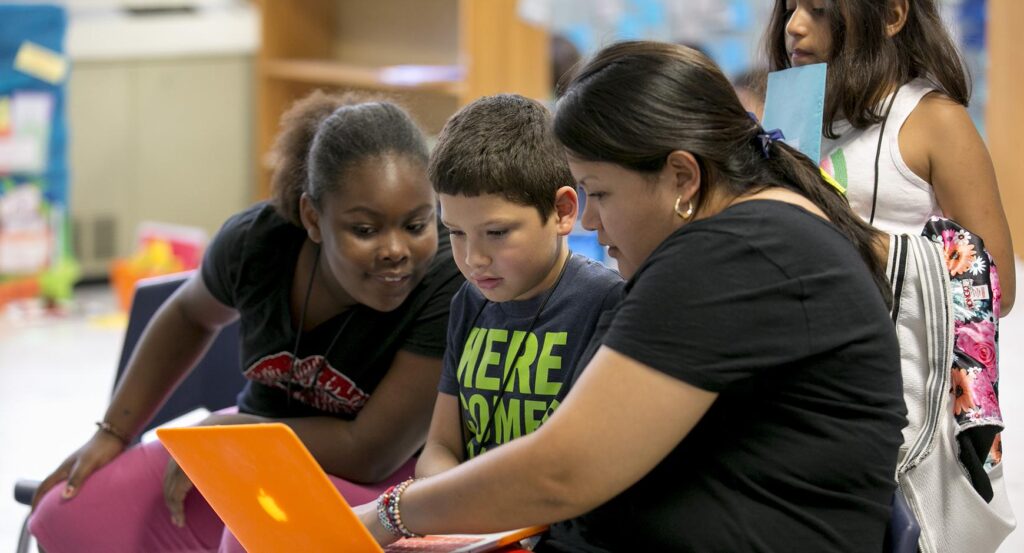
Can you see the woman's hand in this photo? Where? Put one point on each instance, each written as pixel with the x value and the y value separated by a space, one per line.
pixel 176 486
pixel 98 451
pixel 367 514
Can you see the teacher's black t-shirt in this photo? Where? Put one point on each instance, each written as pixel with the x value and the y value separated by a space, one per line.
pixel 774 310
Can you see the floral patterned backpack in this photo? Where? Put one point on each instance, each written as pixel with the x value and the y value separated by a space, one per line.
pixel 975 293
pixel 946 311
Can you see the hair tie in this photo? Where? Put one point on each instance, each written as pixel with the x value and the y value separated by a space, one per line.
pixel 766 138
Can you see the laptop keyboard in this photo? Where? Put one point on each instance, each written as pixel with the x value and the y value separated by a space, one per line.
pixel 431 543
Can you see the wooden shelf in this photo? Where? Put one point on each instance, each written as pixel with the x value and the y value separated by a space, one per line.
pixel 357 44
pixel 331 73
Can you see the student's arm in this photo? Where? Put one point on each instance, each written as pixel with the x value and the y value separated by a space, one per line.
pixel 444 447
pixel 383 436
pixel 175 339
pixel 942 146
pixel 385 433
pixel 602 439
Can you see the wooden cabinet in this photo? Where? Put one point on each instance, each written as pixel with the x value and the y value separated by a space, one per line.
pixel 348 44
pixel 155 139
pixel 1005 111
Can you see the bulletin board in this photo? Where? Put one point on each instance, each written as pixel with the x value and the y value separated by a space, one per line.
pixel 35 256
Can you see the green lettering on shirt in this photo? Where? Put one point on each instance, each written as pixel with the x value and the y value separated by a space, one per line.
pixel 470 353
pixel 506 421
pixel 478 414
pixel 549 362
pixel 551 410
pixel 470 421
pixel 530 409
pixel 490 358
pixel 522 362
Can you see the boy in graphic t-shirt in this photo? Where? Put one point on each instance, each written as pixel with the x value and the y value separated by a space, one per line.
pixel 523 318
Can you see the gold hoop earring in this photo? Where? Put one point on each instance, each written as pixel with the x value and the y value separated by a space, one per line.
pixel 689 209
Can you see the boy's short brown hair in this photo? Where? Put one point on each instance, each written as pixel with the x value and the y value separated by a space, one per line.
pixel 501 145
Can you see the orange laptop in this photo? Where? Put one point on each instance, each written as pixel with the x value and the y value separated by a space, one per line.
pixel 274 497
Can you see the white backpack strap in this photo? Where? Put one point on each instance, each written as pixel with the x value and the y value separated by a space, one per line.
pixel 925 258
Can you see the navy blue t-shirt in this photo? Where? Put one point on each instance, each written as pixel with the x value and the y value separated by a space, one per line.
pixel 488 342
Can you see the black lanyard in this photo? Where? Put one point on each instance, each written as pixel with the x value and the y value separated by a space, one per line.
pixel 878 151
pixel 298 334
pixel 508 375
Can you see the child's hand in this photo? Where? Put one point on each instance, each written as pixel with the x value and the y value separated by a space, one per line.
pixel 176 486
pixel 367 514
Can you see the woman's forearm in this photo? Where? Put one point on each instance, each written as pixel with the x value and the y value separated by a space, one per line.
pixel 514 486
pixel 333 444
pixel 168 348
pixel 388 429
pixel 584 455
pixel 328 439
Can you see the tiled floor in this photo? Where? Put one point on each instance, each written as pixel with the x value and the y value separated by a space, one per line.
pixel 58 374
pixel 59 371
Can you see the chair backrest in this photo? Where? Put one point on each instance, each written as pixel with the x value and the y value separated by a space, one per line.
pixel 215 381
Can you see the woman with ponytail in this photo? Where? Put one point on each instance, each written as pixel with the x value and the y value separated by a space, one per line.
pixel 746 393
pixel 342 284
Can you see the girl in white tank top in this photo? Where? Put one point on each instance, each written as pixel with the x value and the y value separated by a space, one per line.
pixel 897 133
pixel 906 201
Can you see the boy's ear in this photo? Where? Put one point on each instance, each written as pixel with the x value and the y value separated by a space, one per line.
pixel 310 218
pixel 683 173
pixel 896 17
pixel 567 205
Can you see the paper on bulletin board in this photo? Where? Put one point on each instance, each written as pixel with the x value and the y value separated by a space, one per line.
pixel 25 121
pixel 41 62
pixel 26 239
pixel 795 103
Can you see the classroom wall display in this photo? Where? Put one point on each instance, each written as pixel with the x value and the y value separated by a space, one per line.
pixel 727 30
pixel 730 32
pixel 34 251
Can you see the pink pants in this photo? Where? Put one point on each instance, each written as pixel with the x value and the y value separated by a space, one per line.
pixel 120 508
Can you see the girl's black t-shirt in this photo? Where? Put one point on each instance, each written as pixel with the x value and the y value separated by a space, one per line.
pixel 250 265
pixel 774 310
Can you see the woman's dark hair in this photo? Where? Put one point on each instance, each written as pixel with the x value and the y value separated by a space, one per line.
pixel 323 135
pixel 866 65
pixel 635 103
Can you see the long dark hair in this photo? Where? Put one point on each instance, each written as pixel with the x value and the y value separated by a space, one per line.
pixel 866 65
pixel 323 135
pixel 636 102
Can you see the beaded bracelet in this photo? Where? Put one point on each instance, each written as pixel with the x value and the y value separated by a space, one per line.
pixel 105 426
pixel 388 511
pixel 383 503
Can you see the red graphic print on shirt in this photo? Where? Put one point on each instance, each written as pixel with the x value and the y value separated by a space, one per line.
pixel 314 382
